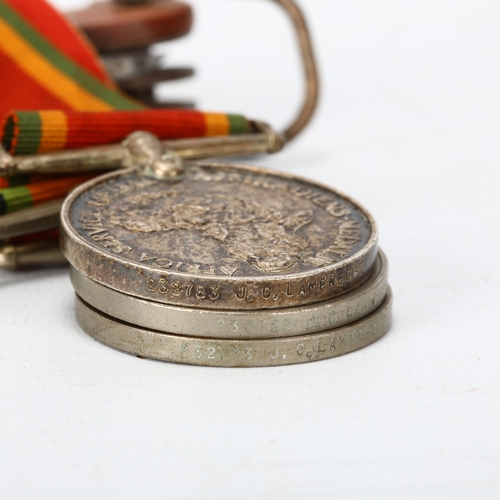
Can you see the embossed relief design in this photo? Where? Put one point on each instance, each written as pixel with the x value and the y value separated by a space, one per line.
pixel 221 222
pixel 266 238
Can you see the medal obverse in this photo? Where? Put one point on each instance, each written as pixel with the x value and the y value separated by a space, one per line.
pixel 222 237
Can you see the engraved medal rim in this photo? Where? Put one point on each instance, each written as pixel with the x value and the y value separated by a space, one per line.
pixel 95 294
pixel 143 346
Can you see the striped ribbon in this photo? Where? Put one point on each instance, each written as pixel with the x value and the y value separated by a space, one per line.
pixel 16 198
pixel 20 180
pixel 47 64
pixel 43 131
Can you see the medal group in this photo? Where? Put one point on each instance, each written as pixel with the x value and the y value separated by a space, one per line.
pixel 199 263
pixel 229 266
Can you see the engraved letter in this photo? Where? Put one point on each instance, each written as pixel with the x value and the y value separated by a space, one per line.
pixel 322 282
pixel 242 293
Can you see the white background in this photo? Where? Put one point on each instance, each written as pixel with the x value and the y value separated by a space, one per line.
pixel 408 125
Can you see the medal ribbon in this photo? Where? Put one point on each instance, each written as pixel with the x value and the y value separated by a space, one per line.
pixel 17 198
pixel 47 64
pixel 26 132
pixel 49 67
pixel 63 97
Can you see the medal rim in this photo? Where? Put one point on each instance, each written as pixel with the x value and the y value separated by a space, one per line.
pixel 97 326
pixel 150 314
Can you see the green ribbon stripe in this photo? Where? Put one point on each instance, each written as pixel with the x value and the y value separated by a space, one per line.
pixel 14 199
pixel 65 64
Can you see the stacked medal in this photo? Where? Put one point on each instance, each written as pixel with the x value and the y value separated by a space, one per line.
pixel 225 265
